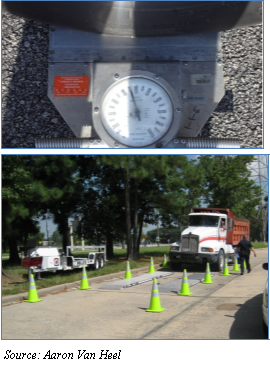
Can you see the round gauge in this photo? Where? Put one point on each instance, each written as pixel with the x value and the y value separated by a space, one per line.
pixel 136 111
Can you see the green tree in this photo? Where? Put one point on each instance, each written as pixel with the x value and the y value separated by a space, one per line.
pixel 101 209
pixel 56 238
pixel 62 189
pixel 167 235
pixel 21 197
pixel 228 184
pixel 153 182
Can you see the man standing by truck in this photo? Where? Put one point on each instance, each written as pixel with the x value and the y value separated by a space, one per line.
pixel 243 248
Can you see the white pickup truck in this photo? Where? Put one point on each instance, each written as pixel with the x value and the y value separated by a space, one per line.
pixel 44 259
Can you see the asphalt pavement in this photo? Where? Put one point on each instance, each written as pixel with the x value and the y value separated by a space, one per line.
pixel 230 308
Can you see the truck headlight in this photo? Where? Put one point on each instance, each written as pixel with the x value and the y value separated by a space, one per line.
pixel 207 249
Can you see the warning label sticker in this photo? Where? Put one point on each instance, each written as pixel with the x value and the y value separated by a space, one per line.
pixel 71 86
pixel 201 79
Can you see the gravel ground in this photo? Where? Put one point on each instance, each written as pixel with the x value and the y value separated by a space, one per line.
pixel 28 114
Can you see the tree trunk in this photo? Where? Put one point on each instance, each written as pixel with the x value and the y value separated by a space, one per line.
pixel 14 257
pixel 65 234
pixel 139 238
pixel 128 216
pixel 109 247
pixel 135 238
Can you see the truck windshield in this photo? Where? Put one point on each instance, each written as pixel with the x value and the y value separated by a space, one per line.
pixel 203 221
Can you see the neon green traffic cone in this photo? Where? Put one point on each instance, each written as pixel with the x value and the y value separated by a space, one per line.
pixel 84 282
pixel 32 295
pixel 155 305
pixel 235 264
pixel 226 270
pixel 151 267
pixel 165 264
pixel 185 286
pixel 128 273
pixel 245 265
pixel 207 277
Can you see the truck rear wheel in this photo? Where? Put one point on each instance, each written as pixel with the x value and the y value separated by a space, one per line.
pixel 219 265
pixel 141 18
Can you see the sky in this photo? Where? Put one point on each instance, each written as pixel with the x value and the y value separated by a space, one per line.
pixel 254 168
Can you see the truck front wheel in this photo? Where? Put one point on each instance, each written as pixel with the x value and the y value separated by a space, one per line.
pixel 219 265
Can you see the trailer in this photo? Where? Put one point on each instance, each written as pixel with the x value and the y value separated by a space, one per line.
pixel 50 259
pixel 212 235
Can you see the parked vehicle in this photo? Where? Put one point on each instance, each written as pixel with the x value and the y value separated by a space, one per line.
pixel 211 236
pixel 265 304
pixel 44 259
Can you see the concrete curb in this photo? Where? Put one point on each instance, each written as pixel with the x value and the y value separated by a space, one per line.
pixel 63 287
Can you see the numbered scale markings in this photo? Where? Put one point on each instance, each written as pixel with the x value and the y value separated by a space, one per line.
pixel 137 111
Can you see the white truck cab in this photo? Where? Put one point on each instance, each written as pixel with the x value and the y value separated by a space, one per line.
pixel 210 236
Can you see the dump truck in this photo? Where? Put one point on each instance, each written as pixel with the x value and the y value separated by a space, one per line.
pixel 51 259
pixel 212 235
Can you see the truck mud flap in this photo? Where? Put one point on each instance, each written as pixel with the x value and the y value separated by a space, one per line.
pixel 141 18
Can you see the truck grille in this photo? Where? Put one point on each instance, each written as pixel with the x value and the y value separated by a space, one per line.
pixel 190 243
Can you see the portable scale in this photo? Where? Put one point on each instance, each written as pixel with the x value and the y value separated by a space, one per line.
pixel 129 92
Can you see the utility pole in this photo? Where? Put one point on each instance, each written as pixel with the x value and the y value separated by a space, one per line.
pixel 259 173
pixel 47 232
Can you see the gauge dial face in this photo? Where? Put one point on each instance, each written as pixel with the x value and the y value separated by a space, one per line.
pixel 136 111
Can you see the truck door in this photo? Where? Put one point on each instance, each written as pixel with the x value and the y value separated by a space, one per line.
pixel 222 229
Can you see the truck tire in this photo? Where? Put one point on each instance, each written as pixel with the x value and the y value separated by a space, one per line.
pixel 219 265
pixel 101 262
pixel 141 18
pixel 96 264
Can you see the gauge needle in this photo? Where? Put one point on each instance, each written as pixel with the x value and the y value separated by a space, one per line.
pixel 137 111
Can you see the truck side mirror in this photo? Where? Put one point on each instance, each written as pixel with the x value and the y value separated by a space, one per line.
pixel 230 224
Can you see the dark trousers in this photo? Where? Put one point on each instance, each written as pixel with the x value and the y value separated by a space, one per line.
pixel 246 259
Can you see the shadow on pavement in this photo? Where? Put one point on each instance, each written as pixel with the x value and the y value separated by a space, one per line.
pixel 248 320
